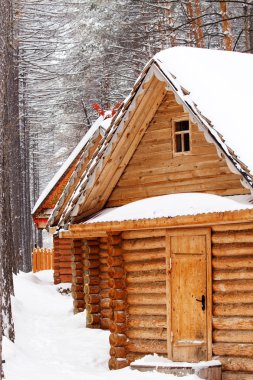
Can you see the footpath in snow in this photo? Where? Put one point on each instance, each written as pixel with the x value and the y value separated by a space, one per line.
pixel 53 344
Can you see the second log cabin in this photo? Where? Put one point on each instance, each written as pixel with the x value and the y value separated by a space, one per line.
pixel 162 218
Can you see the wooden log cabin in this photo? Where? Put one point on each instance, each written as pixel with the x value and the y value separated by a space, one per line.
pixel 162 217
pixel 54 195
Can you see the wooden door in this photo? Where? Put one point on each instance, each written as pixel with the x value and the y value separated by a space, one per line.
pixel 188 294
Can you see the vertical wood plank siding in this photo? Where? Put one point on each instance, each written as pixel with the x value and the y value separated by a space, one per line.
pixel 232 262
pixel 154 169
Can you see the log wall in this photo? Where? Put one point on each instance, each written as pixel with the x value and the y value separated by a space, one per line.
pixel 232 249
pixel 144 262
pixel 155 170
pixel 137 275
pixel 62 260
pixel 91 267
pixel 77 276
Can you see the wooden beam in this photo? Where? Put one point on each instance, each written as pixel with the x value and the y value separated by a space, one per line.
pixel 200 220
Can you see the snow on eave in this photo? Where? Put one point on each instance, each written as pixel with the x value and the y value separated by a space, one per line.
pixel 105 147
pixel 98 128
pixel 172 206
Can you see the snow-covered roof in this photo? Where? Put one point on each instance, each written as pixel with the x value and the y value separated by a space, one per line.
pixel 220 89
pixel 173 205
pixel 100 125
pixel 213 86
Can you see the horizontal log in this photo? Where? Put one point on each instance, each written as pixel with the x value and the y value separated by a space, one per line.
pixel 104 268
pixel 232 237
pixel 119 317
pixel 132 256
pixel 147 346
pixel 104 276
pixel 76 265
pixel 147 299
pixel 77 280
pixel 145 265
pixel 233 263
pixel 92 319
pixel 105 293
pixel 244 310
pixel 91 272
pixel 233 349
pixel 140 234
pixel 104 284
pixel 158 321
pixel 221 250
pixel 118 363
pixel 77 258
pixel 93 308
pixel 150 310
pixel 106 313
pixel 146 277
pixel 104 323
pixel 78 295
pixel 103 260
pixel 115 261
pixel 91 263
pixel 233 286
pixel 132 356
pixel 233 323
pixel 79 304
pixel 118 304
pixel 103 254
pixel 65 278
pixel 116 272
pixel 119 328
pixel 142 244
pixel 117 294
pixel 91 289
pixel 236 297
pixel 228 375
pixel 117 340
pixel 114 239
pixel 158 287
pixel 237 364
pixel 64 258
pixel 91 280
pixel 92 298
pixel 66 264
pixel 74 272
pixel 233 227
pixel 116 283
pixel 147 333
pixel 243 274
pixel 105 303
pixel 118 352
pixel 234 336
pixel 76 288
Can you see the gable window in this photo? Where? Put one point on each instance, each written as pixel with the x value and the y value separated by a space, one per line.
pixel 182 136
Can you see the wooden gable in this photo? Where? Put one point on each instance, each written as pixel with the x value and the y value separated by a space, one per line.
pixel 155 169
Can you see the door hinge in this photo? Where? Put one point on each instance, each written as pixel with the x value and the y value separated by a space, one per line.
pixel 171 336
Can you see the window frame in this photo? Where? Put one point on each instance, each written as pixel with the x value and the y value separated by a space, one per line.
pixel 174 133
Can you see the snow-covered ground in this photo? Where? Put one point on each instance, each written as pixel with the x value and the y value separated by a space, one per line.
pixel 53 344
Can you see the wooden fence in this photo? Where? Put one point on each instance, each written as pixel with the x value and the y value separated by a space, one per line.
pixel 42 259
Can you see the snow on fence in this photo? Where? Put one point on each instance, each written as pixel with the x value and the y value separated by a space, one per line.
pixel 42 259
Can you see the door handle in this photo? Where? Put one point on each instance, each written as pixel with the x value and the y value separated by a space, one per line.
pixel 203 301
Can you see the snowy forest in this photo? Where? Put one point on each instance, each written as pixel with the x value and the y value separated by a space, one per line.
pixel 57 59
